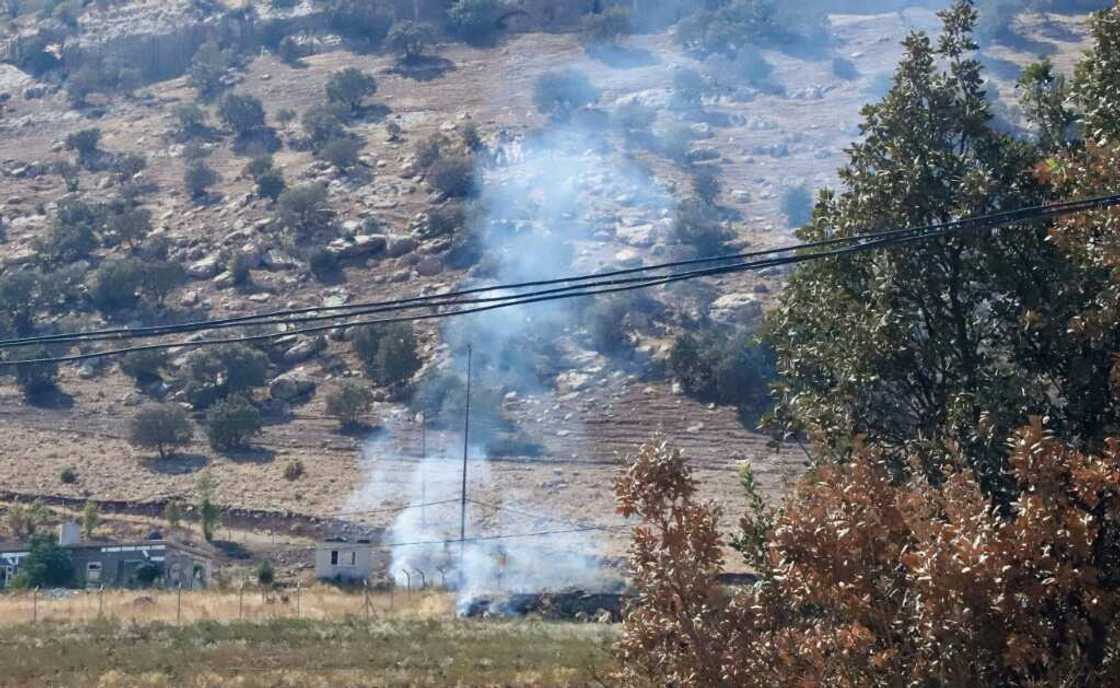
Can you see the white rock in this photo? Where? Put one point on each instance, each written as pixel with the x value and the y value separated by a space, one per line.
pixel 739 308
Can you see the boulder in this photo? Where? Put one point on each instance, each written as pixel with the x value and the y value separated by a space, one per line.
pixel 206 268
pixel 306 348
pixel 636 235
pixel 397 246
pixel 364 245
pixel 277 260
pixel 429 266
pixel 627 258
pixel 291 386
pixel 739 308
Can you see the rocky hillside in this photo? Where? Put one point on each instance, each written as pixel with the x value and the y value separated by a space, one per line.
pixel 583 196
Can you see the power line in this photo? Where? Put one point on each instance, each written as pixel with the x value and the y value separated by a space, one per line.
pixel 869 242
pixel 584 281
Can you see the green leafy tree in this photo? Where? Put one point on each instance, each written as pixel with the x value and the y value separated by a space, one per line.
pixel 91 517
pixel 190 120
pixel 85 143
pixel 208 69
pixel 304 209
pixel 209 513
pixel 322 123
pixel 132 226
pixel 231 422
pixel 47 565
pixel 387 352
pixel 144 365
pixel 948 343
pixel 35 380
pixel 198 178
pixel 21 296
pixel 349 87
pixel 349 401
pixel 1097 80
pixel 24 521
pixel 266 574
pixel 161 278
pixel 160 427
pixel 408 40
pixel 558 94
pixel 115 283
pixel 73 232
pixel 213 373
pixel 342 152
pixel 1043 96
pixel 242 113
pixel 476 21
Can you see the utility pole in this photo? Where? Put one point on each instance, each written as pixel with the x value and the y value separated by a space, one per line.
pixel 463 493
pixel 423 470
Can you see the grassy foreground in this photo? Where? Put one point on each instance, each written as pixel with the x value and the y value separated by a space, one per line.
pixel 303 652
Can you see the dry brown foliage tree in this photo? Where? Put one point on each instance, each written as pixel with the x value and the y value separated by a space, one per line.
pixel 872 582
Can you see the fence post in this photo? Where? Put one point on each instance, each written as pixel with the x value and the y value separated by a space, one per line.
pixel 100 601
pixel 407 580
pixel 179 604
pixel 423 578
pixel 392 588
pixel 299 599
pixel 35 605
pixel 240 600
pixel 365 597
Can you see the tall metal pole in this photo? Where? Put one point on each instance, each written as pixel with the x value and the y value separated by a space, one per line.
pixel 466 444
pixel 423 470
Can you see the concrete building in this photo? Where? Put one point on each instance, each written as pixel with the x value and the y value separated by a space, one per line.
pixel 165 563
pixel 337 559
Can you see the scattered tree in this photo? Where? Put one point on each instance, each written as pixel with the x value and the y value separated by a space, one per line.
pixel 304 209
pixel 348 401
pixel 24 521
pixel 208 512
pixel 198 178
pixel 476 21
pixel 173 513
pixel 408 40
pixel 266 574
pixel 349 87
pixel 244 114
pixel 208 70
pixel 91 517
pixel 797 205
pixel 231 422
pixel 144 365
pixel 160 427
pixel 388 352
pixel 47 565
pixel 558 94
pixel 85 143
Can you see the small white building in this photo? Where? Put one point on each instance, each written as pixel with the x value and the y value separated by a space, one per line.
pixel 337 559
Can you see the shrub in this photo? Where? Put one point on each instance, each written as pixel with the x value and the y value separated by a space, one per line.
pixel 706 184
pixel 173 513
pixel 602 28
pixel 132 226
pixel 266 575
pixel 285 116
pixel 724 367
pixel 797 205
pixel 85 143
pixel 387 352
pixel 293 470
pixel 216 372
pixel 21 295
pixel 453 175
pixel 244 114
pixel 753 68
pixel 47 565
pixel 675 142
pixel 471 135
pixel 606 322
pixel 289 51
pixel 115 283
pixel 558 94
pixel 408 40
pixel 231 422
pixel 361 19
pixel 634 116
pixel 304 209
pixel 475 21
pixel 688 87
pixel 429 150
pixel 324 264
pixel 69 475
pixel 348 402
pixel 190 120
pixel 35 379
pixel 129 165
pixel 271 184
pixel 70 173
pixel 238 267
pixel 198 178
pixel 161 277
pixel 144 365
pixel 445 220
pixel 342 152
pixel 349 87
pixel 208 69
pixel 160 427
pixel 322 124
pixel 72 235
pixel 696 224
pixel 148 573
pixel 25 520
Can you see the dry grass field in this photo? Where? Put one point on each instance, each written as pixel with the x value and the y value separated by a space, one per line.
pixel 397 651
pixel 319 603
